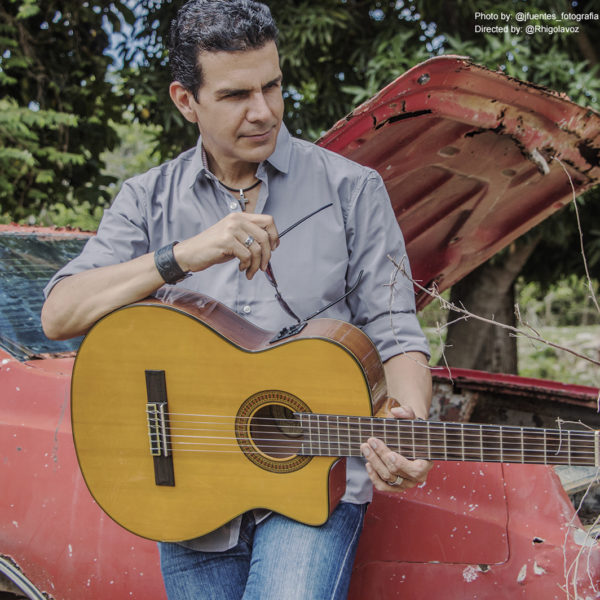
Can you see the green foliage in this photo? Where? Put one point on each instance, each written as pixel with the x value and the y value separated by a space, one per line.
pixel 55 104
pixel 567 302
pixel 539 360
pixel 561 312
pixel 134 154
pixel 333 54
pixel 80 216
pixel 558 71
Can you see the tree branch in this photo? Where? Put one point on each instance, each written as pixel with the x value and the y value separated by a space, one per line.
pixel 433 293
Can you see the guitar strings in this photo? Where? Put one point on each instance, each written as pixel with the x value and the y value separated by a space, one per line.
pixel 380 427
pixel 580 444
pixel 316 420
pixel 344 448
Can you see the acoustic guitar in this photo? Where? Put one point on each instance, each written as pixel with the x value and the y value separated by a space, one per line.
pixel 185 415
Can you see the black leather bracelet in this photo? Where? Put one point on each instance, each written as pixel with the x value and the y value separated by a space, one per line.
pixel 167 266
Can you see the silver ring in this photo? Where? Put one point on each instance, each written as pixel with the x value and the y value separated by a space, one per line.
pixel 398 481
pixel 249 241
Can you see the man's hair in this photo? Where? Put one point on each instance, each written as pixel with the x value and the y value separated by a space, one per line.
pixel 215 26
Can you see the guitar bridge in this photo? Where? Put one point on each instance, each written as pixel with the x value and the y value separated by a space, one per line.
pixel 158 428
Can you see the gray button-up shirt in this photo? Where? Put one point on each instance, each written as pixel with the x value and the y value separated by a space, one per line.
pixel 315 263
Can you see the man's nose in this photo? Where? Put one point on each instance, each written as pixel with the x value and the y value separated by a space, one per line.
pixel 258 110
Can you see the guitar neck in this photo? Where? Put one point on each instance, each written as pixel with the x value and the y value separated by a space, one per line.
pixel 336 435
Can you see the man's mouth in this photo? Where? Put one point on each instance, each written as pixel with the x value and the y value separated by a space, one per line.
pixel 259 136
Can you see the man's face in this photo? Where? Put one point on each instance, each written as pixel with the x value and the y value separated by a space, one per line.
pixel 240 105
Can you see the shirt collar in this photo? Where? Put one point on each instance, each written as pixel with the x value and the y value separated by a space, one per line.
pixel 280 158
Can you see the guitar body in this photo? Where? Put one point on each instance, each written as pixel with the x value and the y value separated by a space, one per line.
pixel 222 376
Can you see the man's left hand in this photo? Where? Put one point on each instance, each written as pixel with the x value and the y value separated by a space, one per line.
pixel 390 471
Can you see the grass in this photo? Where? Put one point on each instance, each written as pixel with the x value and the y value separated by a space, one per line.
pixel 539 360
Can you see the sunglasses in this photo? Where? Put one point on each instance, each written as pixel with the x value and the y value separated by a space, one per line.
pixel 300 323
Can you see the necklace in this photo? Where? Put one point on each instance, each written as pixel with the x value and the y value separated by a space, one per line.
pixel 242 199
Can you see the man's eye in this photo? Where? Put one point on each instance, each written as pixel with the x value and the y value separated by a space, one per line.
pixel 235 95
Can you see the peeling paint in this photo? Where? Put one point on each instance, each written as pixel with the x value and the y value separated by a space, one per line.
pixel 538 570
pixel 582 538
pixel 522 574
pixel 470 574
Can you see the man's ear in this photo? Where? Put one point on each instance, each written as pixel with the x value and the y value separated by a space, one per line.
pixel 183 99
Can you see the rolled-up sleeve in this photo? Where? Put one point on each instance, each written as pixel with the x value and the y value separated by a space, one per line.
pixel 385 312
pixel 122 235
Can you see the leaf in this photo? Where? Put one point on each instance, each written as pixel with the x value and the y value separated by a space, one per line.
pixel 44 176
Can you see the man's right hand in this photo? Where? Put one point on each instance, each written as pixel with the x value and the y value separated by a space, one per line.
pixel 228 239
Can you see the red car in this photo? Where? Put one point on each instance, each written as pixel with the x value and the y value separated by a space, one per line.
pixel 466 154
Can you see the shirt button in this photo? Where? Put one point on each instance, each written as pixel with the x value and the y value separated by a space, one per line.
pixel 246 310
pixel 233 205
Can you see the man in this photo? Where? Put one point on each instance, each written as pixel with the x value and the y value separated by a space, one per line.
pixel 226 200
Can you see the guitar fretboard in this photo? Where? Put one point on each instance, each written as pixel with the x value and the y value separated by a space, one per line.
pixel 336 435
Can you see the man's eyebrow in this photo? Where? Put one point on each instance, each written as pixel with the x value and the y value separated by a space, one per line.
pixel 225 92
pixel 277 79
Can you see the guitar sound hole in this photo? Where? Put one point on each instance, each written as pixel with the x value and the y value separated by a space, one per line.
pixel 267 432
pixel 275 432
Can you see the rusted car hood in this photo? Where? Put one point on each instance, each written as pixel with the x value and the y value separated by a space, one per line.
pixel 471 158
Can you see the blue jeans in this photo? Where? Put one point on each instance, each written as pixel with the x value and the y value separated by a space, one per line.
pixel 278 559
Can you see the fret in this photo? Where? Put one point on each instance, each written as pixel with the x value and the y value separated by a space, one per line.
pixel 513 445
pixel 545 449
pixel 569 446
pixel 399 427
pixel 481 441
pixel 420 439
pixel 320 445
pixel 381 430
pixel 361 435
pixel 445 443
pixel 355 436
pixel 501 448
pixel 435 436
pixel 522 448
pixel 462 440
pixel 412 433
pixel 428 440
pixel 452 439
pixel 386 434
pixel 307 443
pixel 471 442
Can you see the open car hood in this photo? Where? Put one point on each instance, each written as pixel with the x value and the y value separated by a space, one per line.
pixel 471 158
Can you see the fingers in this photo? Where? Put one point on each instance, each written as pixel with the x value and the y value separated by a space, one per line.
pixel 248 237
pixel 262 230
pixel 385 466
pixel 403 412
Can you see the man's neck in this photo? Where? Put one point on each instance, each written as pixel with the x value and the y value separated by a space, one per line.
pixel 235 174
